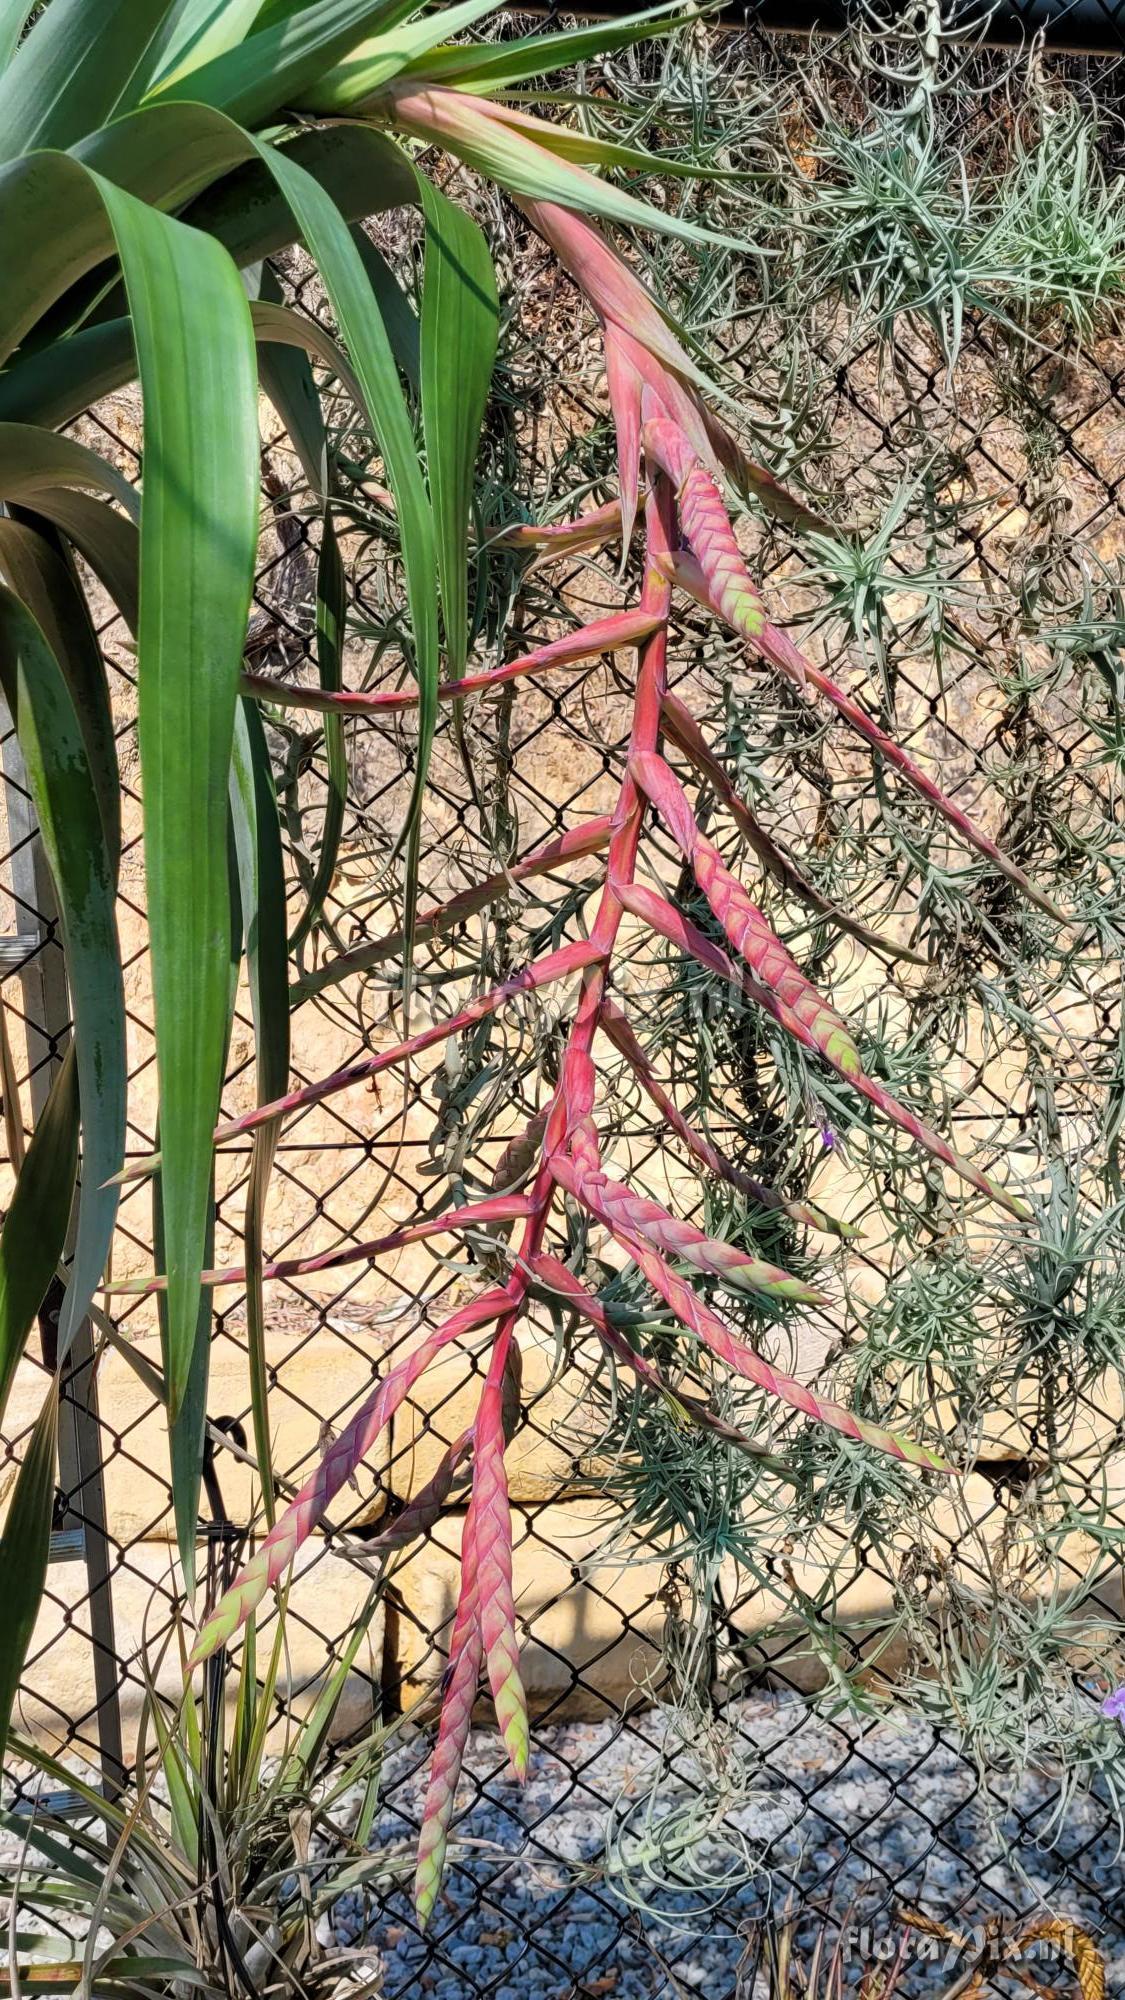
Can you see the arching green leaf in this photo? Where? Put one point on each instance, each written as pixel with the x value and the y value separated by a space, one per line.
pixel 274 67
pixel 261 874
pixel 331 614
pixel 72 72
pixel 35 561
pixel 34 1234
pixel 460 316
pixel 199 530
pixel 69 812
pixel 24 1550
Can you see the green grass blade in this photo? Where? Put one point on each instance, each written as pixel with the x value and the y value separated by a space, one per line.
pixel 34 1233
pixel 72 72
pixel 261 874
pixel 24 1548
pixel 331 619
pixel 461 317
pixel 69 812
pixel 199 531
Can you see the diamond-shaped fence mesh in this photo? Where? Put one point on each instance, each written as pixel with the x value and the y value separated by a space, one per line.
pixel 821 1803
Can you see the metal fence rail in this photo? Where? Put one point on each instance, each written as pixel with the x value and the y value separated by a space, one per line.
pixel 882 1811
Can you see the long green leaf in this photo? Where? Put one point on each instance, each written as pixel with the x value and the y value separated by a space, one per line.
pixel 24 1549
pixel 35 561
pixel 53 218
pixel 14 17
pixel 109 543
pixel 187 1430
pixel 331 616
pixel 199 529
pixel 367 68
pixel 328 240
pixel 57 382
pixel 34 460
pixel 199 30
pixel 34 1233
pixel 272 68
pixel 460 316
pixel 261 874
pixel 72 72
pixel 287 378
pixel 399 316
pixel 487 66
pixel 362 171
pixel 69 812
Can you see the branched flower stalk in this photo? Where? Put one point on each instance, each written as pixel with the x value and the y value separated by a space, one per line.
pixel 672 447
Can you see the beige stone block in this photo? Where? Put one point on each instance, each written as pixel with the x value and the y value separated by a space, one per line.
pixel 58 1703
pixel 318 1381
pixel 591 1623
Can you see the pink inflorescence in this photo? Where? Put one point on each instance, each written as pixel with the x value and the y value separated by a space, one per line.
pixel 667 435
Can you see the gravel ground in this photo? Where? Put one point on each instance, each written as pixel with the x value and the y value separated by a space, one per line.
pixel 536 1907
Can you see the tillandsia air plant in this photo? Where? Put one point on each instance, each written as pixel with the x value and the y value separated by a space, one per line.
pixel 179 160
pixel 215 1876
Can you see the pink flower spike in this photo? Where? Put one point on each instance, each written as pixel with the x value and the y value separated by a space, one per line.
pixel 604 635
pixel 642 351
pixel 691 1311
pixel 620 1211
pixel 557 965
pixel 689 738
pixel 466 1648
pixel 422 1512
pixel 574 845
pixel 479 1215
pixel 586 531
pixel 722 580
pixel 492 1555
pixel 808 1214
pixel 669 922
pixel 555 1277
pixel 307 1510
pixel 743 922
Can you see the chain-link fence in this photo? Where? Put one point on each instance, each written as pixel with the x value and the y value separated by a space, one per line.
pixel 679 1763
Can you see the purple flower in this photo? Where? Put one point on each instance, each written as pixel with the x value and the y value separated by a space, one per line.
pixel 1114 1705
pixel 827 1138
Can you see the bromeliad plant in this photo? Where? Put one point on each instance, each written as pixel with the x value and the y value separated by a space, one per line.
pixel 154 154
pixel 665 432
pixel 147 171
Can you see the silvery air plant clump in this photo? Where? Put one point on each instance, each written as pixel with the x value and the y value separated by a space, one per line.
pixel 673 452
